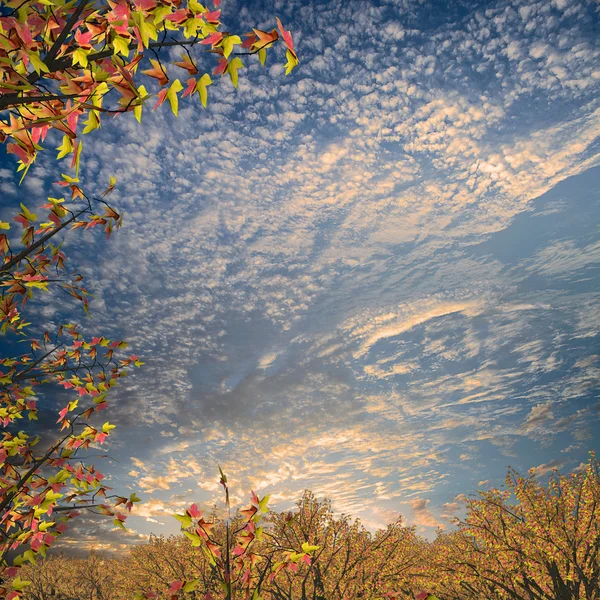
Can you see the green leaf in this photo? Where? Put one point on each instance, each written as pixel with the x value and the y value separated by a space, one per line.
pixel 185 520
pixel 18 584
pixel 223 476
pixel 119 523
pixel 307 548
pixel 172 95
pixel 262 504
pixel 120 46
pixel 80 57
pixel 190 586
pixel 194 538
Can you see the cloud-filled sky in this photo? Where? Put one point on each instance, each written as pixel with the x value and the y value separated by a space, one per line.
pixel 376 278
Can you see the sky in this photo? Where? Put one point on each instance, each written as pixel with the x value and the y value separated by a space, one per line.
pixel 376 278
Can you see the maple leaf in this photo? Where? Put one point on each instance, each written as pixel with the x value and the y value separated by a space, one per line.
pixel 157 72
pixel 174 88
pixel 160 98
pixel 228 43
pixel 191 87
pixel 292 61
pixel 264 38
pixel 221 67
pixel 201 86
pixel 187 64
pixel 213 39
pixel 287 37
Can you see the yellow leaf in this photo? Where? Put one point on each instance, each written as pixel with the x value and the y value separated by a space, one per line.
pixel 77 155
pixel 172 95
pixel 292 62
pixel 160 13
pixel 27 214
pixel 92 122
pixel 232 69
pixel 121 46
pixel 70 179
pixel 42 285
pixel 201 86
pixel 228 44
pixel 4 225
pixel 142 95
pixel 80 57
pixel 196 7
pixel 65 148
pixel 37 62
pixel 262 55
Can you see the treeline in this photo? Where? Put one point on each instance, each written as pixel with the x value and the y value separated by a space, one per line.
pixel 527 542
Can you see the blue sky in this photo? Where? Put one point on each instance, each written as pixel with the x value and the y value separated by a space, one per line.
pixel 376 278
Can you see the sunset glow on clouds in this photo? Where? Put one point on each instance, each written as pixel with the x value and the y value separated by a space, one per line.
pixel 376 278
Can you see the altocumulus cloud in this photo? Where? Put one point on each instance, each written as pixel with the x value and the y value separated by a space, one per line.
pixel 376 278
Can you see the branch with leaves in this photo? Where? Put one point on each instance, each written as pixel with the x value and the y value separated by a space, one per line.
pixel 60 61
pixel 42 490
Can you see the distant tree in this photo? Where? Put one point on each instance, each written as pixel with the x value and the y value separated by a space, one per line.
pixel 243 556
pixel 531 542
pixel 350 561
pixel 60 62
pixel 543 545
pixel 61 578
pixel 156 565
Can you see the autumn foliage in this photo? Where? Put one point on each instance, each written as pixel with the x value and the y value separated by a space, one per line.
pixel 527 542
pixel 63 62
pixel 44 483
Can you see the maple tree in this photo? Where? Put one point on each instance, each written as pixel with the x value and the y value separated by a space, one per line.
pixel 42 485
pixel 60 61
